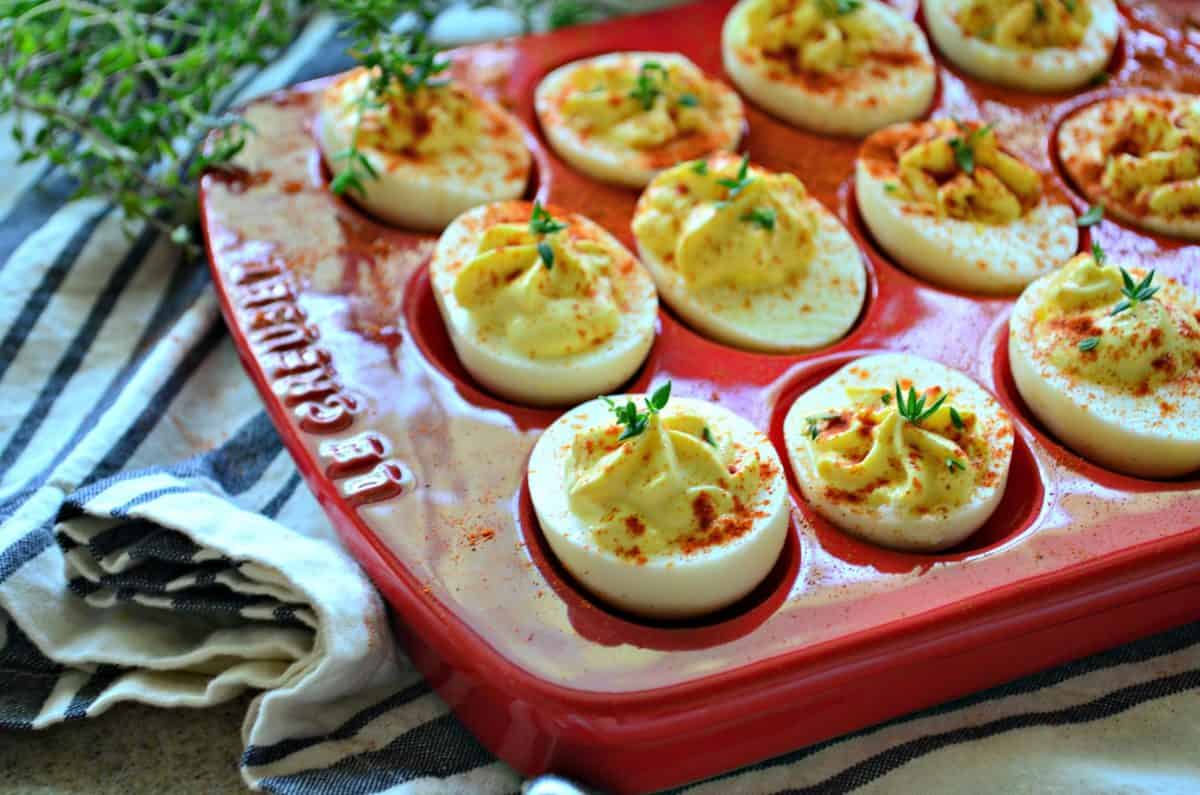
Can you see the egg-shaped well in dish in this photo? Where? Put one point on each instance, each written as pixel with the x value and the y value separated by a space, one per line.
pixel 1034 45
pixel 1108 358
pixel 748 257
pixel 838 67
pixel 428 154
pixel 666 508
pixel 625 116
pixel 1139 156
pixel 542 306
pixel 901 451
pixel 947 201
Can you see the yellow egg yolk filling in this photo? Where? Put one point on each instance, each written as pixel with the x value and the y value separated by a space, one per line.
pixel 815 36
pixel 1134 349
pixel 639 107
pixel 998 188
pixel 1026 24
pixel 1154 160
pixel 756 235
pixel 676 487
pixel 870 455
pixel 542 311
pixel 431 120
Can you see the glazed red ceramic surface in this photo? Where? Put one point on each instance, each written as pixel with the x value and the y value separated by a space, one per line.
pixel 423 472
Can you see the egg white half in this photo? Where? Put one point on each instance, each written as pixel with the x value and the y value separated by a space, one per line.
pixel 961 254
pixel 610 161
pixel 550 381
pixel 852 103
pixel 886 525
pixel 1113 427
pixel 666 586
pixel 814 313
pixel 1049 69
pixel 1081 148
pixel 426 192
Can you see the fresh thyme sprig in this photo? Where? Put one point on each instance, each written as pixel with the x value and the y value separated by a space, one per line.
pixel 964 147
pixel 1093 216
pixel 1135 293
pixel 121 92
pixel 738 183
pixel 542 223
pixel 912 407
pixel 400 64
pixel 650 83
pixel 1089 344
pixel 838 8
pixel 635 422
pixel 118 94
pixel 700 167
pixel 1098 253
pixel 761 216
pixel 815 422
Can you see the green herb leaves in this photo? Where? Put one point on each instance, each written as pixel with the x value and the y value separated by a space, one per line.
pixel 688 101
pixel 708 437
pixel 122 91
pixel 542 223
pixel 1098 253
pixel 408 61
pixel 700 167
pixel 761 216
pixel 738 183
pixel 964 147
pixel 651 82
pixel 816 421
pixel 1093 216
pixel 635 422
pixel 838 8
pixel 658 400
pixel 1089 344
pixel 1135 293
pixel 912 408
pixel 956 419
pixel 953 464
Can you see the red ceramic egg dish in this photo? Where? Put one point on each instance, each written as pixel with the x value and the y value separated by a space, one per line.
pixel 422 471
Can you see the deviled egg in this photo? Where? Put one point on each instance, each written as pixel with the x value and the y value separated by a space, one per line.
pixel 944 199
pixel 748 257
pixel 1139 156
pixel 427 155
pixel 901 451
pixel 1035 45
pixel 542 307
pixel 840 67
pixel 625 116
pixel 663 507
pixel 1108 358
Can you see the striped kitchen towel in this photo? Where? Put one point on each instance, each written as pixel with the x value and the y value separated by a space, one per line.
pixel 157 545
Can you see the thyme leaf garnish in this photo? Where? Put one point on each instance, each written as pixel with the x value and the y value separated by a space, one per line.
pixel 635 422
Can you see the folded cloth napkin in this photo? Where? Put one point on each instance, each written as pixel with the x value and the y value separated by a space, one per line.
pixel 157 545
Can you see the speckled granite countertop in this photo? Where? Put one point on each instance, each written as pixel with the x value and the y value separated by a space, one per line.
pixel 129 750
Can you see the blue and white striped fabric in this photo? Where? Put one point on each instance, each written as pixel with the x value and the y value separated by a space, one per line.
pixel 157 545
